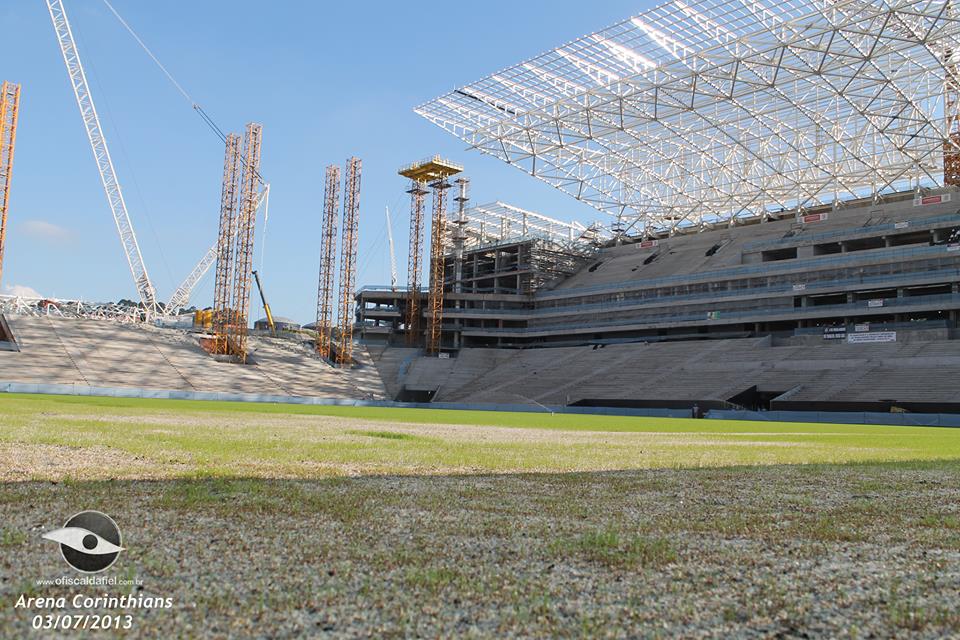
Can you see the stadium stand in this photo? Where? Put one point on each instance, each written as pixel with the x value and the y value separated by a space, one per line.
pixel 102 353
pixel 853 307
pixel 711 374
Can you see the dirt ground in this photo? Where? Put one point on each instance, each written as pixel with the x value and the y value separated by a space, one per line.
pixel 776 551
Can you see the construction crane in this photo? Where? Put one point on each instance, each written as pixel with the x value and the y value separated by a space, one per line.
pixel 393 256
pixel 181 297
pixel 101 153
pixel 266 306
pixel 9 110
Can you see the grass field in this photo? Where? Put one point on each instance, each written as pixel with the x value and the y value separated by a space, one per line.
pixel 162 438
pixel 292 521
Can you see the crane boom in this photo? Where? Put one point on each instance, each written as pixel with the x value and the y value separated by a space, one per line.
pixel 101 153
pixel 181 296
pixel 266 306
pixel 393 257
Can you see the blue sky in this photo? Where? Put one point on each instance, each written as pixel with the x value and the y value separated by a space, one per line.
pixel 327 80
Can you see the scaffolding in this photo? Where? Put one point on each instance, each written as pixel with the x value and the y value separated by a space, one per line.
pixel 238 218
pixel 433 171
pixel 417 193
pixel 9 111
pixel 328 259
pixel 223 283
pixel 246 223
pixel 459 232
pixel 438 229
pixel 348 259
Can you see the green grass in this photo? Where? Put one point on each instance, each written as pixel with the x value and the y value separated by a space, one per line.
pixel 610 547
pixel 175 438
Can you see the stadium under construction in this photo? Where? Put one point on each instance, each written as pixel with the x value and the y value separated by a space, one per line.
pixel 782 188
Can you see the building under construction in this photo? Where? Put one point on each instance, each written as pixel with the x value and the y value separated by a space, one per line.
pixel 493 256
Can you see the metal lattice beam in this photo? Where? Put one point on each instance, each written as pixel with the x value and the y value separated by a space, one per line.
pixel 348 259
pixel 700 113
pixel 438 235
pixel 223 311
pixel 499 222
pixel 181 297
pixel 328 260
pixel 101 154
pixel 9 113
pixel 417 193
pixel 246 224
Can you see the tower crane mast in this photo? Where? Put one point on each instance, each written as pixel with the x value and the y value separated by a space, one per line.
pixel 108 175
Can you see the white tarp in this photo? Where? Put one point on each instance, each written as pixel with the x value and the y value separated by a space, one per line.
pixel 875 336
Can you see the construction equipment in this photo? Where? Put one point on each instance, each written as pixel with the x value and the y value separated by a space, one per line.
pixel 348 259
pixel 101 153
pixel 246 223
pixel 266 306
pixel 9 110
pixel 433 170
pixel 393 256
pixel 235 244
pixel 328 259
pixel 223 311
pixel 181 297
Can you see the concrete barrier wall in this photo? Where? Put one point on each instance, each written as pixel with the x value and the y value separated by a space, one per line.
pixel 833 417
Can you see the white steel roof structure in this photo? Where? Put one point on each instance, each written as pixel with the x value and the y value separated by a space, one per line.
pixel 499 222
pixel 703 111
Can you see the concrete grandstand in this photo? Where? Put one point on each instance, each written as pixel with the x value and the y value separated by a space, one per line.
pixel 854 307
pixel 108 354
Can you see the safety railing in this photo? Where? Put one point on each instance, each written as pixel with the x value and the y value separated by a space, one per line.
pixel 766 268
pixel 754 292
pixel 726 316
pixel 844 233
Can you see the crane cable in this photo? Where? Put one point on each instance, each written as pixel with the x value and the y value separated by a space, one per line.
pixel 193 103
pixel 196 107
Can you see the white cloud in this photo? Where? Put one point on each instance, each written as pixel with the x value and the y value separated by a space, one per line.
pixel 21 290
pixel 44 230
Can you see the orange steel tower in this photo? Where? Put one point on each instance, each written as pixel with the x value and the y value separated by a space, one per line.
pixel 223 284
pixel 431 171
pixel 438 231
pixel 246 222
pixel 412 316
pixel 348 259
pixel 328 258
pixel 9 109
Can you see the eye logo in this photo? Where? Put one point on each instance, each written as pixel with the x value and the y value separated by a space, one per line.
pixel 89 541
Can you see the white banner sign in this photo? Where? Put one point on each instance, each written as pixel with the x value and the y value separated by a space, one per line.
pixel 876 336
